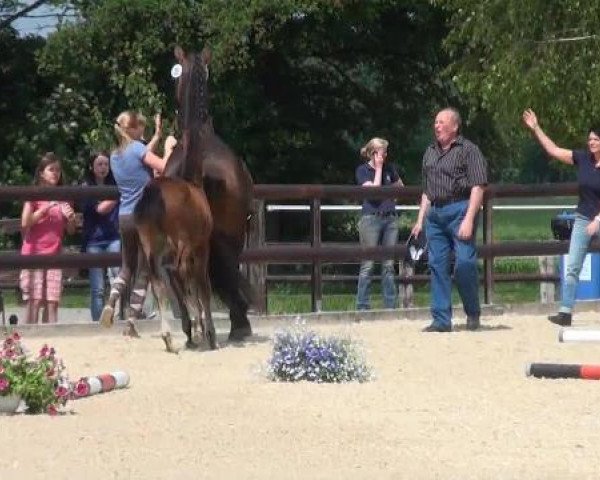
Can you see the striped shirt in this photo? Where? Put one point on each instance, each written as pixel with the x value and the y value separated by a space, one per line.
pixel 450 175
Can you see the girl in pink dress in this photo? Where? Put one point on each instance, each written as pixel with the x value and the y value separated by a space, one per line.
pixel 43 225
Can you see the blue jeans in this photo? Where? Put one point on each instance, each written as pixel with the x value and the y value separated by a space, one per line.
pixel 441 227
pixel 97 276
pixel 377 230
pixel 578 247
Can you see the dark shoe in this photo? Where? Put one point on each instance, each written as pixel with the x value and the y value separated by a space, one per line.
pixel 437 328
pixel 473 323
pixel 561 318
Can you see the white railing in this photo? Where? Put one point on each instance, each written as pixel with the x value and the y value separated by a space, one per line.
pixel 347 208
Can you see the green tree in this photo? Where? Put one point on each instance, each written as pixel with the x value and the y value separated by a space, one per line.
pixel 21 92
pixel 509 55
pixel 297 85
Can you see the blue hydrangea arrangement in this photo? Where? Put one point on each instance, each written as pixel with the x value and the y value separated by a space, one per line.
pixel 304 355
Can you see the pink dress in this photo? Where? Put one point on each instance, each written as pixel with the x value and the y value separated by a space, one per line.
pixel 43 238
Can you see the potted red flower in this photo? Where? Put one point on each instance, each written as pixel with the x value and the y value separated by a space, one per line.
pixel 39 382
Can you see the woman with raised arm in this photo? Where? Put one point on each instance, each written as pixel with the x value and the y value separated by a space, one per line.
pixel 587 217
pixel 132 164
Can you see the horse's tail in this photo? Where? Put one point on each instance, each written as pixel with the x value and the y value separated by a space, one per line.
pixel 151 206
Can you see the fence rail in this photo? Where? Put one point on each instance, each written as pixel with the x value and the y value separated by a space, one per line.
pixel 258 253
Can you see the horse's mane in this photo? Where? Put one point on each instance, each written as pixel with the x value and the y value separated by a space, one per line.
pixel 193 111
pixel 194 100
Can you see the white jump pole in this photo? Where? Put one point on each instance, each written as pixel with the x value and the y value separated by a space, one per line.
pixel 578 335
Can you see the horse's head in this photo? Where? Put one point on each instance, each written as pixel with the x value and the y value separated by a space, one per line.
pixel 192 87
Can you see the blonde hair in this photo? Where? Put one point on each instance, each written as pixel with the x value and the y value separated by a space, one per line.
pixel 126 122
pixel 372 145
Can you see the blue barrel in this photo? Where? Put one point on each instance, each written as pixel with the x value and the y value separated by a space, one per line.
pixel 589 277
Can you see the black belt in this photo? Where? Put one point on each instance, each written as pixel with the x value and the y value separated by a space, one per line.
pixel 385 214
pixel 447 201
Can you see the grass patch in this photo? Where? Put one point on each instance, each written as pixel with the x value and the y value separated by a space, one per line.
pixel 71 298
pixel 285 300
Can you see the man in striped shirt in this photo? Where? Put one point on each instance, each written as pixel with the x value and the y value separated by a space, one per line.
pixel 454 178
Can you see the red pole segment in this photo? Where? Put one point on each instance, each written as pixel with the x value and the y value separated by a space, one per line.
pixel 558 370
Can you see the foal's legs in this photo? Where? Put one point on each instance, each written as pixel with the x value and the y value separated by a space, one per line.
pixel 186 321
pixel 202 281
pixel 160 291
pixel 154 261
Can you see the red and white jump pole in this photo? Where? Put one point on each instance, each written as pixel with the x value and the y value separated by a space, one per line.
pixel 560 370
pixel 106 382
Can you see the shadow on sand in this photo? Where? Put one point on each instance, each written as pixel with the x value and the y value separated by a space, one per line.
pixel 483 328
pixel 224 342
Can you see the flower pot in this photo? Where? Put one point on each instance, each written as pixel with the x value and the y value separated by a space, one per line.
pixel 9 404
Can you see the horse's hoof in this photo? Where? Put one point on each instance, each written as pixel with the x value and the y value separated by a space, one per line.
pixel 107 316
pixel 169 343
pixel 191 345
pixel 212 341
pixel 130 330
pixel 240 334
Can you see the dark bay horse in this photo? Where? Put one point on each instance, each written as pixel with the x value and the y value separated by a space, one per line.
pixel 228 187
pixel 173 218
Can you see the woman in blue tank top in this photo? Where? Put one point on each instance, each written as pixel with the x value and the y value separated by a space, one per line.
pixel 132 164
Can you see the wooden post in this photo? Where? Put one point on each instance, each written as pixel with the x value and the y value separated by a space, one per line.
pixel 257 272
pixel 488 238
pixel 316 277
pixel 547 289
pixel 2 309
pixel 405 290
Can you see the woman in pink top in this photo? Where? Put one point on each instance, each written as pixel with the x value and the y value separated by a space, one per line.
pixel 43 225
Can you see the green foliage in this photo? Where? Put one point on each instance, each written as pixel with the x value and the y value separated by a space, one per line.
pixel 297 85
pixel 56 126
pixel 510 55
pixel 22 91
